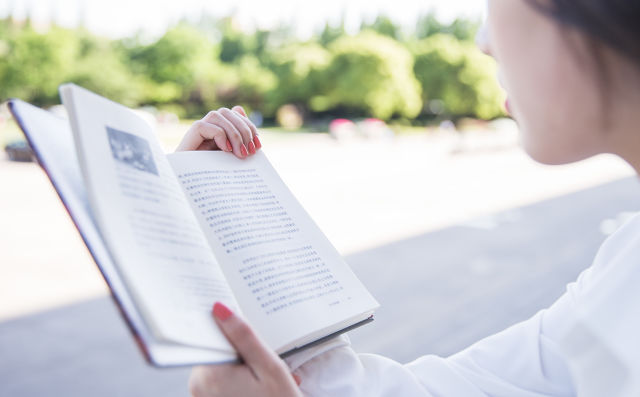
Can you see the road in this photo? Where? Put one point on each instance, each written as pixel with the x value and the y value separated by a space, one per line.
pixel 440 292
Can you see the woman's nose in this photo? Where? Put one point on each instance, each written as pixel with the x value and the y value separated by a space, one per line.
pixel 482 39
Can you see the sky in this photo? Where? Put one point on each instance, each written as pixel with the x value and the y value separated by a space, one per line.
pixel 121 18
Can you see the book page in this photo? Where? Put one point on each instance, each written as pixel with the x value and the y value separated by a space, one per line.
pixel 147 222
pixel 287 277
pixel 51 139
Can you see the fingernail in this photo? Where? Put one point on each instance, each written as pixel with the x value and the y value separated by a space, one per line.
pixel 243 151
pixel 257 142
pixel 229 146
pixel 221 312
pixel 297 379
pixel 252 148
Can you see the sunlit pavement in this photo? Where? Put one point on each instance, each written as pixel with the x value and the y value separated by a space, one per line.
pixel 451 245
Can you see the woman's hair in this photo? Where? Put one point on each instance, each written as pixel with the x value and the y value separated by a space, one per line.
pixel 615 23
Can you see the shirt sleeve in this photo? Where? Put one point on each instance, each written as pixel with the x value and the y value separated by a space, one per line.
pixel 518 362
pixel 584 344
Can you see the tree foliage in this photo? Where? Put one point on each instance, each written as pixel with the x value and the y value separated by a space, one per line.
pixel 176 66
pixel 460 28
pixel 459 76
pixel 384 26
pixel 195 67
pixel 33 65
pixel 373 73
pixel 300 72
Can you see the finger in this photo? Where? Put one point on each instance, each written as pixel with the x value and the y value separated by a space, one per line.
pixel 201 132
pixel 251 145
pixel 241 123
pixel 236 138
pixel 256 141
pixel 255 354
pixel 240 110
pixel 297 379
pixel 255 144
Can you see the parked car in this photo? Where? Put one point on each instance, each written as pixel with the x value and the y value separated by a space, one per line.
pixel 19 151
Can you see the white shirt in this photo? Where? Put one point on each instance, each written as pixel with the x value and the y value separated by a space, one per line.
pixel 586 344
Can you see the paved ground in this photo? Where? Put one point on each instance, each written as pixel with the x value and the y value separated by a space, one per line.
pixel 454 246
pixel 440 292
pixel 363 194
pixel 444 290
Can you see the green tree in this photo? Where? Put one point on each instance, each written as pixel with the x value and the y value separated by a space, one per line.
pixel 458 75
pixel 233 44
pixel 246 82
pixel 299 70
pixel 101 66
pixel 34 64
pixel 331 33
pixel 371 74
pixel 178 68
pixel 428 25
pixel 260 43
pixel 202 66
pixel 461 28
pixel 181 55
pixel 384 26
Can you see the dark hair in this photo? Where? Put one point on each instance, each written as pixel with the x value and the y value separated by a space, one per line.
pixel 615 23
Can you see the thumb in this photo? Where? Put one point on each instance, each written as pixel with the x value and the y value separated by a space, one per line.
pixel 297 379
pixel 253 351
pixel 240 110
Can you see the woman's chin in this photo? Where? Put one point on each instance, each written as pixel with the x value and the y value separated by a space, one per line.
pixel 553 154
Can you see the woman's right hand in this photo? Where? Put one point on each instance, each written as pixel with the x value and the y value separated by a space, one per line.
pixel 224 129
pixel 261 374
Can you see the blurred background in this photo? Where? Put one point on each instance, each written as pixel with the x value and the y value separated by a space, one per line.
pixel 382 117
pixel 295 67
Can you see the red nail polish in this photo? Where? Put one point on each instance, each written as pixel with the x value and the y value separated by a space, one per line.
pixel 252 148
pixel 243 151
pixel 257 142
pixel 221 312
pixel 297 379
pixel 229 146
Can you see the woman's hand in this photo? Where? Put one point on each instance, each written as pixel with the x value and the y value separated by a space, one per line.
pixel 262 373
pixel 223 129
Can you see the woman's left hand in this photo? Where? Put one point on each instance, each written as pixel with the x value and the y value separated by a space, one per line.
pixel 262 372
pixel 224 129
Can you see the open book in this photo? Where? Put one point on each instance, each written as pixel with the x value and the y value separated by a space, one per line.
pixel 172 234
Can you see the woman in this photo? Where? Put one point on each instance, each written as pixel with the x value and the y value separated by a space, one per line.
pixel 572 72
